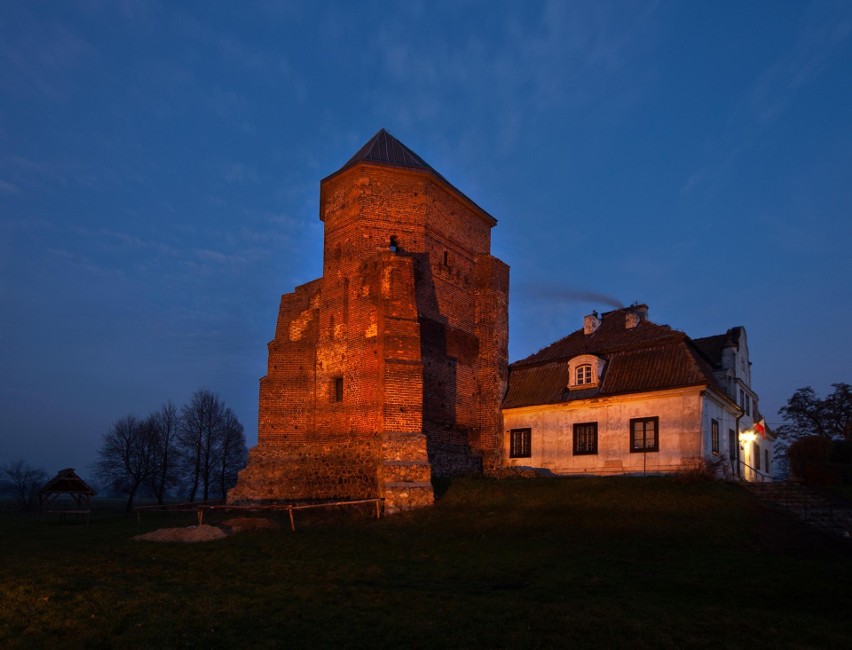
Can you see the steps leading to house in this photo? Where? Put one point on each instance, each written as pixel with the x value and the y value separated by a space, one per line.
pixel 810 505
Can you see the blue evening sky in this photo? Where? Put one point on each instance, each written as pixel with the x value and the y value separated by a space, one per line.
pixel 160 166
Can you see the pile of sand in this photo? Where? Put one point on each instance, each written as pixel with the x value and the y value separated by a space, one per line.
pixel 203 533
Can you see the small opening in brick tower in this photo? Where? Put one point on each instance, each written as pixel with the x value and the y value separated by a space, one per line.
pixel 338 389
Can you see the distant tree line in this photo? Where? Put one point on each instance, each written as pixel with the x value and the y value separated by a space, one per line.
pixel 192 453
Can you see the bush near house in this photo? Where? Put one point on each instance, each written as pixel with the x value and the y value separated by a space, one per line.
pixel 821 461
pixel 517 563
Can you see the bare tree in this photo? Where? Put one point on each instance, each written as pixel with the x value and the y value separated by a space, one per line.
pixel 22 481
pixel 212 446
pixel 164 423
pixel 200 430
pixel 232 452
pixel 125 457
pixel 807 415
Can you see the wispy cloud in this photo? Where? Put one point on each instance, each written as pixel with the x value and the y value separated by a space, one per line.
pixel 827 29
pixel 68 259
pixel 38 54
pixel 823 34
pixel 247 56
pixel 120 242
pixel 239 172
pixel 34 176
pixel 710 175
pixel 9 188
pixel 523 62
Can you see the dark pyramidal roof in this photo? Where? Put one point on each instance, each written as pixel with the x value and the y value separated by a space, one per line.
pixel 384 149
pixel 643 358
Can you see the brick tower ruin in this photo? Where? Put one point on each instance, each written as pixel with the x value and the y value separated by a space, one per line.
pixel 390 368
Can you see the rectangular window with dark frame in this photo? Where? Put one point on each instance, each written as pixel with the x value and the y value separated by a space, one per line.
pixel 714 436
pixel 644 434
pixel 520 446
pixel 732 444
pixel 338 389
pixel 585 438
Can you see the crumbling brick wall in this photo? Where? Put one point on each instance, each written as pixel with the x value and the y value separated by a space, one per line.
pixel 404 335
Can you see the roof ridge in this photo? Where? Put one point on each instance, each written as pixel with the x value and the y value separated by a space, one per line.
pixel 661 333
pixel 703 364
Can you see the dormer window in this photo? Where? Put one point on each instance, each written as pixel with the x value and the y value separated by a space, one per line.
pixel 585 371
pixel 583 375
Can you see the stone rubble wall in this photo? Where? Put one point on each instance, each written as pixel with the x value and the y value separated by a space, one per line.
pixel 341 468
pixel 450 460
pixel 393 466
pixel 406 472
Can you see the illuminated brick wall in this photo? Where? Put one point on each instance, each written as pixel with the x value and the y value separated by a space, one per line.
pixel 404 338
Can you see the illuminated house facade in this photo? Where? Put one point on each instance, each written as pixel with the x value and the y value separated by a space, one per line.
pixel 625 395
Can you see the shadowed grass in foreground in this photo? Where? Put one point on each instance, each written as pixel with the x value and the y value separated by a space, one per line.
pixel 640 562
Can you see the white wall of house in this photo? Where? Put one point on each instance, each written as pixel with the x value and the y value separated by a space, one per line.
pixel 552 432
pixel 757 454
pixel 684 431
pixel 723 412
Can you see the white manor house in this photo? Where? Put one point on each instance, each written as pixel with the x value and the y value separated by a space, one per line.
pixel 625 395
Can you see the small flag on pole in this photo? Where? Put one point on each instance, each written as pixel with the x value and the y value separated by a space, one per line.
pixel 760 427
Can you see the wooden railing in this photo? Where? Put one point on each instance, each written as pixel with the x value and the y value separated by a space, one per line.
pixel 290 508
pixel 764 477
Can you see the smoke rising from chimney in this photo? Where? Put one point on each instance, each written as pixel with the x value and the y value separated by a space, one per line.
pixel 562 293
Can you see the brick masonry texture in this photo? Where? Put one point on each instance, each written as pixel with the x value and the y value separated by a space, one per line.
pixel 390 368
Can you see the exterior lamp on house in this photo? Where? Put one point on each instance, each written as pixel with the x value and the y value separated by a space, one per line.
pixel 748 436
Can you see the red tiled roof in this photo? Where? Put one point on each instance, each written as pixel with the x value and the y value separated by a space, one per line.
pixel 645 358
pixel 542 384
pixel 672 364
pixel 610 335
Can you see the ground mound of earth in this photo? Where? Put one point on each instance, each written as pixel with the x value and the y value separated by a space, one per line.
pixel 205 533
pixel 202 533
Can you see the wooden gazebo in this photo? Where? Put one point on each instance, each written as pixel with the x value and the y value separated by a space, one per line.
pixel 66 483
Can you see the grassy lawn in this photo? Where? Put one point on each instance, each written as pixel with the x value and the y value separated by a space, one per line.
pixel 639 562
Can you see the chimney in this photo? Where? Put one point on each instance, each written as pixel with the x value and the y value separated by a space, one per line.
pixel 636 315
pixel 591 323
